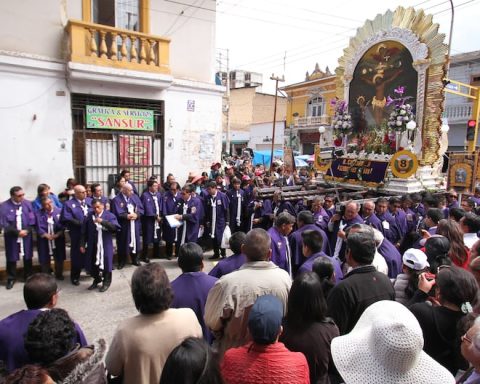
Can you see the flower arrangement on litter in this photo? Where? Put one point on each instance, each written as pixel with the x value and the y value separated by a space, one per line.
pixel 342 120
pixel 402 113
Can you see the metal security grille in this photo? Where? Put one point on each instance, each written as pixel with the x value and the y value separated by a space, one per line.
pixel 100 155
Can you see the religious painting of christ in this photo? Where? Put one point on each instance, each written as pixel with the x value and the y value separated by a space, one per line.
pixel 383 68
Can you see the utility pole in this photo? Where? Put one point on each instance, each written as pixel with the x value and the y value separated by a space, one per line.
pixel 227 141
pixel 277 79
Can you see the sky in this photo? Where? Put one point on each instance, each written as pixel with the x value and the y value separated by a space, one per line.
pixel 285 37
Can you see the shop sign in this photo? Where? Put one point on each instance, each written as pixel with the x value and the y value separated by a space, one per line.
pixel 122 119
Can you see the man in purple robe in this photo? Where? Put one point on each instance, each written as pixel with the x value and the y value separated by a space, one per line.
pixel 50 237
pixel 281 253
pixel 395 208
pixel 190 289
pixel 217 217
pixel 237 205
pixel 319 214
pixel 188 213
pixel 279 205
pixel 411 217
pixel 329 206
pixel 338 225
pixel 17 219
pixel 97 193
pixel 452 201
pixel 389 225
pixel 98 230
pixel 257 213
pixel 73 215
pixel 40 293
pixel 128 208
pixel 390 253
pixel 417 206
pixel 170 204
pixel 234 262
pixel 126 174
pixel 151 219
pixel 305 222
pixel 312 243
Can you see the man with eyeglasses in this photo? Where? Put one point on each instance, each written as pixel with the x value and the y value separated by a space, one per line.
pixel 17 218
pixel 470 348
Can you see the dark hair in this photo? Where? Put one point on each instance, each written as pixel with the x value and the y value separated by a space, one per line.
pixel 28 374
pixel 394 200
pixel 117 181
pixel 188 188
pixel 150 182
pixel 406 198
pixel 38 290
pixel 93 187
pixel 236 241
pixel 14 190
pixel 190 257
pixel 382 200
pixel 436 249
pixel 50 336
pixel 471 221
pixel 431 201
pixel 257 245
pixel 191 362
pixel 362 247
pixel 42 187
pixel 151 289
pixel 211 184
pixel 324 269
pixel 457 213
pixel 236 180
pixel 313 240
pixel 96 201
pixel 408 241
pixel 435 214
pixel 124 172
pixel 306 217
pixel 416 197
pixel 451 230
pixel 306 301
pixel 43 199
pixel 284 218
pixel 457 286
pixel 471 203
pixel 71 181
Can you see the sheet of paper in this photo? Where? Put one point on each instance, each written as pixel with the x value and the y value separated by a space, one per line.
pixel 173 222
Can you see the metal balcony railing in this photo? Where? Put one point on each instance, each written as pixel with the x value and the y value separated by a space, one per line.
pixel 103 45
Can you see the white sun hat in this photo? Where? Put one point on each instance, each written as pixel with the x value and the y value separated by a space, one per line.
pixel 385 347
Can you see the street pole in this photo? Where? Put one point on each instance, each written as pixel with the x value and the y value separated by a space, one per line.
pixel 277 79
pixel 450 39
pixel 227 141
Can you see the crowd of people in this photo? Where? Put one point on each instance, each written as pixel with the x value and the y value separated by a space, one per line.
pixel 376 289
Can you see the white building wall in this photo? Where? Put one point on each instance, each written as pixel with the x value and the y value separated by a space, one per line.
pixel 36 137
pixel 260 131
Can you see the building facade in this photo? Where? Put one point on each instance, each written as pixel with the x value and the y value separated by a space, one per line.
pixel 90 87
pixel 309 107
pixel 465 68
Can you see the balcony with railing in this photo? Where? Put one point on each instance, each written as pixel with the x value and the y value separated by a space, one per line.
pixel 103 45
pixel 458 113
pixel 311 121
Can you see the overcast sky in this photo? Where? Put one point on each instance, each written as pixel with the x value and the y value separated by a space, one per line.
pixel 260 33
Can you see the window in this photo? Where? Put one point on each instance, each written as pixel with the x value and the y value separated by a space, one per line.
pixel 316 107
pixel 475 80
pixel 122 14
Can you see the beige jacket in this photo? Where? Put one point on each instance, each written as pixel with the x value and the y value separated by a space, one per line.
pixel 142 344
pixel 232 296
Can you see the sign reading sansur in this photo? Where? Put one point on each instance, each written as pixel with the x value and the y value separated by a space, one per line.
pixel 99 117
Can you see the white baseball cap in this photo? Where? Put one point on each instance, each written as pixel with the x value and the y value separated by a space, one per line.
pixel 415 259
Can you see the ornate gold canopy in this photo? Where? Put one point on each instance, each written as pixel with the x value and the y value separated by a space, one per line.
pixel 416 31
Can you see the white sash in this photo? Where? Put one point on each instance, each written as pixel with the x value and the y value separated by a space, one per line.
pixel 18 221
pixel 214 216
pixel 184 231
pixel 275 210
pixel 133 239
pixel 51 231
pixel 289 256
pixel 84 207
pixel 338 244
pixel 157 213
pixel 239 207
pixel 100 256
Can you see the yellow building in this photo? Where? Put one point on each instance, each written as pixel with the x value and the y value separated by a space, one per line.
pixel 309 108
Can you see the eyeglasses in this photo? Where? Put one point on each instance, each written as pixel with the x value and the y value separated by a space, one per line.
pixel 466 338
pixel 23 194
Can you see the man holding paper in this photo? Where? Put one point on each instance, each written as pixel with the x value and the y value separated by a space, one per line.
pixel 217 217
pixel 188 213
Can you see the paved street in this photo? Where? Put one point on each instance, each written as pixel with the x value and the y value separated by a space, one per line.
pixel 97 313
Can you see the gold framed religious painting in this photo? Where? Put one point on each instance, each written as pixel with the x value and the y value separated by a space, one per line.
pixel 462 171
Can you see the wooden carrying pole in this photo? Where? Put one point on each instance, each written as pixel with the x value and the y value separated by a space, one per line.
pixel 277 79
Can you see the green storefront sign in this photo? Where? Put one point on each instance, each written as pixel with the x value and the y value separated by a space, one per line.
pixel 99 117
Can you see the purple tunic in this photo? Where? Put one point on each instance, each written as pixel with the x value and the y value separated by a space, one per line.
pixel 228 265
pixel 72 217
pixel 256 210
pixel 169 207
pixel 392 257
pixel 221 205
pixel 233 197
pixel 190 291
pixel 149 217
pixel 333 239
pixel 8 221
pixel 279 248
pixel 120 210
pixel 401 221
pixel 191 219
pixel 12 329
pixel 307 266
pixel 411 220
pixel 42 243
pixel 374 222
pixel 321 218
pixel 283 206
pixel 109 227
pixel 296 243
pixel 390 227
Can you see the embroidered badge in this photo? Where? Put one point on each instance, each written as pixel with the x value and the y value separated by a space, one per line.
pixel 279 245
pixel 194 209
pixel 219 202
pixel 73 205
pixel 122 205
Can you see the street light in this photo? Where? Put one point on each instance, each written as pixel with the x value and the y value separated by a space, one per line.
pixel 321 131
pixel 444 128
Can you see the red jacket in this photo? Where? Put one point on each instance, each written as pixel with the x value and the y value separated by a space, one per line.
pixel 266 364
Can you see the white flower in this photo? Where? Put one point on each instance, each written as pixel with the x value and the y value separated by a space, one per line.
pixel 399 118
pixel 406 118
pixel 403 112
pixel 345 125
pixel 402 106
pixel 399 123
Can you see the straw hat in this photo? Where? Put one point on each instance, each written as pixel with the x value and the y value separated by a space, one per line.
pixel 196 178
pixel 385 347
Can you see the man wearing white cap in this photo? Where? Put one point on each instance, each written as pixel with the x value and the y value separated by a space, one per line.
pixel 386 347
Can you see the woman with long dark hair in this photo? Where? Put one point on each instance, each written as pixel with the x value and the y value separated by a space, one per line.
pixel 307 328
pixel 459 253
pixel 437 249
